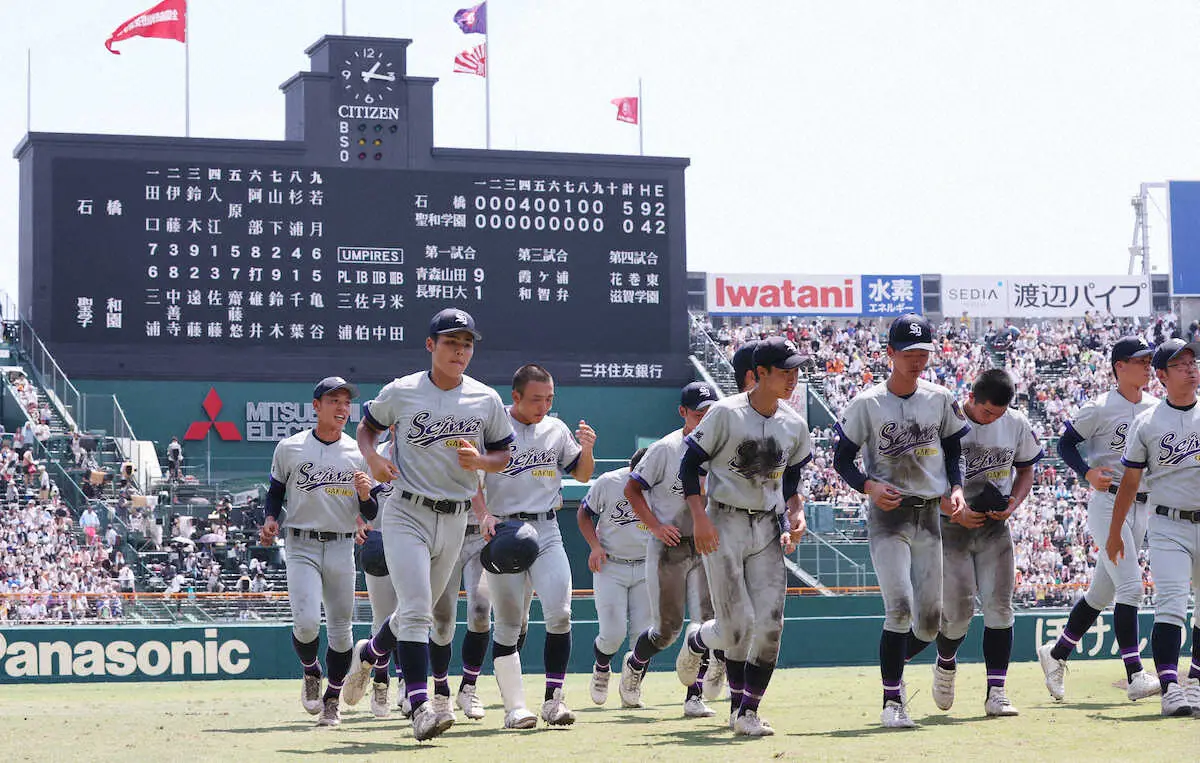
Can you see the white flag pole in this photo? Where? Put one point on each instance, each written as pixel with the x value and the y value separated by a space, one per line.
pixel 641 112
pixel 487 87
pixel 187 74
pixel 28 89
pixel 343 18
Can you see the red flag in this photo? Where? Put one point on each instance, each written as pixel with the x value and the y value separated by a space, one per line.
pixel 167 20
pixel 473 61
pixel 627 109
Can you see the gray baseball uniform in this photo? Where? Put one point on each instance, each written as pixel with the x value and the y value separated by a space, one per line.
pixel 422 544
pixel 1165 442
pixel 900 441
pixel 982 558
pixel 747 454
pixel 675 576
pixel 622 603
pixel 529 488
pixel 1103 424
pixel 319 497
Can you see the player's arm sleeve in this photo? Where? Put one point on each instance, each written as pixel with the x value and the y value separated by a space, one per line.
pixel 497 431
pixel 369 508
pixel 791 480
pixel 705 439
pixel 1137 455
pixel 844 454
pixel 1068 450
pixel 280 470
pixel 380 413
pixel 952 453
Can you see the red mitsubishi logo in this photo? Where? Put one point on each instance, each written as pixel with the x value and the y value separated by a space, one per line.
pixel 226 430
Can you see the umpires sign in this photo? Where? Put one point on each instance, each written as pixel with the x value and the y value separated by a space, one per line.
pixel 193 259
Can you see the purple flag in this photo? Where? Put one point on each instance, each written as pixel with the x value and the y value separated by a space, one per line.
pixel 471 20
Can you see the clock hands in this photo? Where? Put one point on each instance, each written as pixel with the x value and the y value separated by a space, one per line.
pixel 370 74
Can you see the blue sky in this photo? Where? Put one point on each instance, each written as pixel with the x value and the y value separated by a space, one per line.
pixel 854 136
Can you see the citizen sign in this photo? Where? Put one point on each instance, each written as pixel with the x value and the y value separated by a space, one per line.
pixel 268 421
pixel 42 659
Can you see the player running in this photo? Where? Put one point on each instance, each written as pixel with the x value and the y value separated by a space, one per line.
pixel 528 488
pixel 1101 426
pixel 1164 442
pixel 442 417
pixel 755 446
pixel 977 549
pixel 318 474
pixel 909 432
pixel 675 576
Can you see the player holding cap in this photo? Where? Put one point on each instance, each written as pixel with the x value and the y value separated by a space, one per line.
pixel 977 548
pixel 675 576
pixel 1164 442
pixel 1101 425
pixel 319 475
pixel 755 446
pixel 442 418
pixel 618 562
pixel 528 489
pixel 909 432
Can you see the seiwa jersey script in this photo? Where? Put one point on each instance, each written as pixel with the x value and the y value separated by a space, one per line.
pixel 991 451
pixel 900 437
pixel 430 425
pixel 532 481
pixel 1165 441
pixel 1104 424
pixel 319 480
pixel 620 532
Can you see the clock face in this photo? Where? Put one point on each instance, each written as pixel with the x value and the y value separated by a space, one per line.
pixel 368 75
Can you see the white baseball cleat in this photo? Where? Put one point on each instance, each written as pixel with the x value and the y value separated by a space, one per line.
pixel 331 713
pixel 714 678
pixel 310 694
pixel 555 711
pixel 441 706
pixel 687 662
pixel 1142 685
pixel 895 716
pixel 750 725
pixel 630 687
pixel 519 718
pixel 1175 701
pixel 694 707
pixel 428 723
pixel 943 687
pixel 1054 670
pixel 1191 690
pixel 599 685
pixel 997 703
pixel 468 701
pixel 379 700
pixel 356 682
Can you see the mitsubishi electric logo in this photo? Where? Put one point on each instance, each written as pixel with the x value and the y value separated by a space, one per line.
pixel 226 430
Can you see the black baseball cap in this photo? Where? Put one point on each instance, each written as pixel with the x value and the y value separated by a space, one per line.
pixel 698 395
pixel 911 332
pixel 452 319
pixel 1128 347
pixel 332 384
pixel 743 359
pixel 1168 350
pixel 776 352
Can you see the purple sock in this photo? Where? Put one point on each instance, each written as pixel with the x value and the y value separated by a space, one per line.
pixel 891 663
pixel 1082 618
pixel 474 648
pixel 307 652
pixel 339 667
pixel 757 679
pixel 997 651
pixel 1194 671
pixel 1164 644
pixel 1125 627
pixel 735 676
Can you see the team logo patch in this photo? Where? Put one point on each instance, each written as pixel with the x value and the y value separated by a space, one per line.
pixel 994 462
pixel 958 411
pixel 543 463
pixel 758 459
pixel 1173 450
pixel 1117 443
pixel 896 439
pixel 423 432
pixel 315 476
pixel 622 514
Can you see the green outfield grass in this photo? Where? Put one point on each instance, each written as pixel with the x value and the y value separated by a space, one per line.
pixel 818 714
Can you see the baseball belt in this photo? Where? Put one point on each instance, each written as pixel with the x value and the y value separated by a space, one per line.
pixel 1183 515
pixel 915 502
pixel 754 513
pixel 443 506
pixel 471 530
pixel 525 516
pixel 320 535
pixel 630 562
pixel 1139 498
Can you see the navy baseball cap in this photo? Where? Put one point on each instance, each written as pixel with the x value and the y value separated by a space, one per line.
pixel 776 352
pixel 911 332
pixel 452 319
pixel 332 384
pixel 697 396
pixel 743 359
pixel 1128 347
pixel 1168 350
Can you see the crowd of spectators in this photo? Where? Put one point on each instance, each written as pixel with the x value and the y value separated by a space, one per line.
pixel 1056 366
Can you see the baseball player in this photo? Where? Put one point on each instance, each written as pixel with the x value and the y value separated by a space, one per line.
pixel 1164 442
pixel 675 575
pixel 743 366
pixel 318 474
pixel 382 595
pixel 755 447
pixel 1101 426
pixel 448 426
pixel 528 489
pixel 909 432
pixel 977 549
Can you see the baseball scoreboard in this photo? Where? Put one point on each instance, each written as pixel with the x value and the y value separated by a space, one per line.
pixel 329 252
